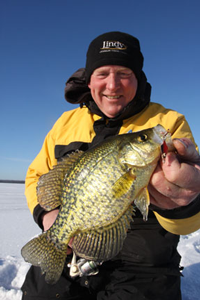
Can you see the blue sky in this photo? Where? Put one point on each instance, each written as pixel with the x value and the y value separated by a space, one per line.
pixel 42 42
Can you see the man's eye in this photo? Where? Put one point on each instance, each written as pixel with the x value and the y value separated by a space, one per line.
pixel 125 75
pixel 101 75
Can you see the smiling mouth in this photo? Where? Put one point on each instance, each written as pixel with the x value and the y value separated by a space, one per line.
pixel 113 97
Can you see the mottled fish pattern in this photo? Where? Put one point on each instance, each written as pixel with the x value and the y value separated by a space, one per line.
pixel 96 191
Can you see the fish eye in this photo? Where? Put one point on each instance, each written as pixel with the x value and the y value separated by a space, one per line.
pixel 142 138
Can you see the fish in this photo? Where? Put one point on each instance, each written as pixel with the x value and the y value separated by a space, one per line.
pixel 97 192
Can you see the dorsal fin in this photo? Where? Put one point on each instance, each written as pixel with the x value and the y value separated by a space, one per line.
pixel 50 185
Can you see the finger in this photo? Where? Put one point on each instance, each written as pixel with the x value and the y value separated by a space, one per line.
pixel 171 198
pixel 181 174
pixel 186 149
pixel 160 200
pixel 161 188
pixel 69 250
pixel 70 242
pixel 162 184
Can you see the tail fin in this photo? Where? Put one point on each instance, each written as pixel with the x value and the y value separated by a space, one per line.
pixel 42 252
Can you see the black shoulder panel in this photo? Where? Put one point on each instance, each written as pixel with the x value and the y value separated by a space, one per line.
pixel 63 150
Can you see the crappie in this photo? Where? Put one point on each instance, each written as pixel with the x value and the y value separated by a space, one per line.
pixel 95 191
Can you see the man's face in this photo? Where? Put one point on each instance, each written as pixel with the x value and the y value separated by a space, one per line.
pixel 112 88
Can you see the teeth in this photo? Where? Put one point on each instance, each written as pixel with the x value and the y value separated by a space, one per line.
pixel 113 97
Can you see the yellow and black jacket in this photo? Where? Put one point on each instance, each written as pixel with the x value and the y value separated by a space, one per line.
pixel 151 243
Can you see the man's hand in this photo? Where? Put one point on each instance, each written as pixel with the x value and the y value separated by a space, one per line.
pixel 48 218
pixel 176 180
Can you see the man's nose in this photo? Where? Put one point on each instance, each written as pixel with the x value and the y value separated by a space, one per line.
pixel 113 82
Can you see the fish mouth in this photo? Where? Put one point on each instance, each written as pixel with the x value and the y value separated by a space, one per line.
pixel 164 137
pixel 164 148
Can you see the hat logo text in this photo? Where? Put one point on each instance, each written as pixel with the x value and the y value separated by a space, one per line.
pixel 113 45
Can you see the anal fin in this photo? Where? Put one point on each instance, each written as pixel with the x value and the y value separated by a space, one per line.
pixel 103 243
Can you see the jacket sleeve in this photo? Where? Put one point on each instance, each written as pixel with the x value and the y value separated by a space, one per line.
pixel 43 162
pixel 182 220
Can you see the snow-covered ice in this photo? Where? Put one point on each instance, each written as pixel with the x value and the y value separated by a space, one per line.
pixel 17 227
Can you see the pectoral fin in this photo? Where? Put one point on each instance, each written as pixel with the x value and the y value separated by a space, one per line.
pixel 123 184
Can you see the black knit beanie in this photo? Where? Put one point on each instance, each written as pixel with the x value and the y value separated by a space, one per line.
pixel 114 48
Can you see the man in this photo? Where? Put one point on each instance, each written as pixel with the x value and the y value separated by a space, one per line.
pixel 115 98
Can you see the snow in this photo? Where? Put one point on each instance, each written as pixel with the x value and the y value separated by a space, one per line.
pixel 17 227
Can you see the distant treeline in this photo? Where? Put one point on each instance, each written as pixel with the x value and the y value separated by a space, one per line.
pixel 11 181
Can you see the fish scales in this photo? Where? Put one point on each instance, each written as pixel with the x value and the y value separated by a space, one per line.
pixel 95 191
pixel 90 192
